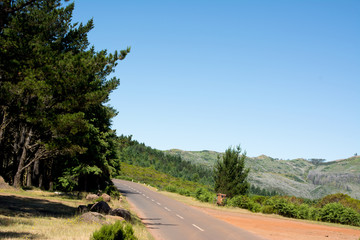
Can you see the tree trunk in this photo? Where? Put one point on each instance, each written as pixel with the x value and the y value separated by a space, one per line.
pixel 22 158
pixel 36 173
pixel 29 176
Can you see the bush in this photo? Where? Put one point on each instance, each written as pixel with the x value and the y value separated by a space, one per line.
pixel 254 207
pixel 184 192
pixel 314 213
pixel 99 199
pixel 303 211
pixel 285 208
pixel 198 192
pixel 117 231
pixel 241 201
pixel 331 212
pixel 112 191
pixel 267 209
pixel 171 188
pixel 337 213
pixel 350 217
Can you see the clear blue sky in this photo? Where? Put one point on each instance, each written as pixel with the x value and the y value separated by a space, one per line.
pixel 281 78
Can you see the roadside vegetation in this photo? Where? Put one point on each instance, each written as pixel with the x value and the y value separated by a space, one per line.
pixel 334 208
pixel 37 214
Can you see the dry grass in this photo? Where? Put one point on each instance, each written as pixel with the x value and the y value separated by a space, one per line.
pixel 38 214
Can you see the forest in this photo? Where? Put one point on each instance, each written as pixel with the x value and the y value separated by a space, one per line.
pixel 54 122
pixel 138 154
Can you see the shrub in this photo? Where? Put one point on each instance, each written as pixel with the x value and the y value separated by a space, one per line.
pixel 198 192
pixel 171 188
pixel 285 208
pixel 267 209
pixel 303 211
pixel 350 217
pixel 254 207
pixel 314 213
pixel 99 199
pixel 185 192
pixel 337 213
pixel 331 212
pixel 117 231
pixel 259 199
pixel 112 191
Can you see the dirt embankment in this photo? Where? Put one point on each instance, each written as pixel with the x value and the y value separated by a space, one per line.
pixel 279 228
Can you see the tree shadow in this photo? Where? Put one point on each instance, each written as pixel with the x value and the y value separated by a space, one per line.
pixel 20 235
pixel 30 207
pixel 9 221
pixel 155 224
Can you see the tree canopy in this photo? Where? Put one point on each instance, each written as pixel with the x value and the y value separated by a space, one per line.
pixel 54 124
pixel 230 175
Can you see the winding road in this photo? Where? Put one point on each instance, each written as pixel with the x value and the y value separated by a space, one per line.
pixel 168 219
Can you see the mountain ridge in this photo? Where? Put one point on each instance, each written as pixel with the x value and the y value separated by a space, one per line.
pixel 298 177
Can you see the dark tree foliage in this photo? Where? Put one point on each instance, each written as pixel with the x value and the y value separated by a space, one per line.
pixel 54 126
pixel 135 153
pixel 256 190
pixel 317 161
pixel 230 175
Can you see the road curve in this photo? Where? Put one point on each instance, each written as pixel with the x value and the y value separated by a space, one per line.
pixel 168 219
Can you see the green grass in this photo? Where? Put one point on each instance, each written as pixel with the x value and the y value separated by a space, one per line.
pixel 156 179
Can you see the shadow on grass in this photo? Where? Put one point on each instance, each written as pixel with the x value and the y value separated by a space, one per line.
pixel 9 221
pixel 14 206
pixel 20 235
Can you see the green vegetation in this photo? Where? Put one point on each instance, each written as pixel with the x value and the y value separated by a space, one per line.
pixel 117 231
pixel 327 209
pixel 230 174
pixel 134 153
pixel 159 180
pixel 54 124
pixel 298 177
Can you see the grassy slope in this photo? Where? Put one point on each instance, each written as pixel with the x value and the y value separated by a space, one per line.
pixel 296 177
pixel 155 178
pixel 46 215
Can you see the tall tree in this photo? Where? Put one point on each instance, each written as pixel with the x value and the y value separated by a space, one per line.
pixel 230 174
pixel 53 90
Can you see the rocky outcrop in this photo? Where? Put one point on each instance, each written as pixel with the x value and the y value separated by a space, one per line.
pixel 106 197
pixel 92 197
pixel 125 214
pixel 100 207
pixel 103 208
pixel 91 217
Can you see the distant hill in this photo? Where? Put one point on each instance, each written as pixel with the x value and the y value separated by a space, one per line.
pixel 298 177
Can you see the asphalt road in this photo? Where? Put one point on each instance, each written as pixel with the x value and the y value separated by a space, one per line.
pixel 169 219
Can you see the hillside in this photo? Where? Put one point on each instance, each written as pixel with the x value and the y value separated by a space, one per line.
pixel 297 177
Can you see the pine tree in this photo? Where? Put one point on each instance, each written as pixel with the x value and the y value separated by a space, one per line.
pixel 53 90
pixel 230 175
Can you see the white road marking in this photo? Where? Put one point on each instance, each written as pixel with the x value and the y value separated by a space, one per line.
pixel 153 200
pixel 158 203
pixel 198 228
pixel 179 216
pixel 167 209
pixel 147 197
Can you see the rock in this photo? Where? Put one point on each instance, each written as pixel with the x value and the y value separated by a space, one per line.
pixel 91 217
pixel 82 209
pixel 101 207
pixel 3 184
pixel 121 213
pixel 106 197
pixel 91 197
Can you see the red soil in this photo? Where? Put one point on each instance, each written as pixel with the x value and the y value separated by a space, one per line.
pixel 279 228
